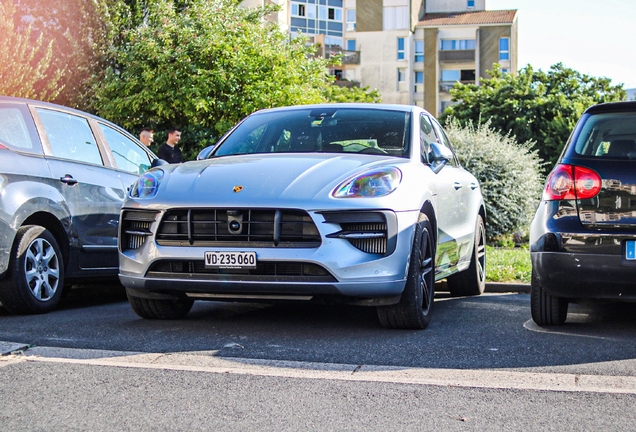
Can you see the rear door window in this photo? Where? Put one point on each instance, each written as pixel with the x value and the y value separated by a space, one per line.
pixel 70 136
pixel 17 130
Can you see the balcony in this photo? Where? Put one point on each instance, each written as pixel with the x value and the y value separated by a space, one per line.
pixel 457 56
pixel 445 86
pixel 347 57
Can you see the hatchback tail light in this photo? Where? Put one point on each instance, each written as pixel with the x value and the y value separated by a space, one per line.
pixel 570 182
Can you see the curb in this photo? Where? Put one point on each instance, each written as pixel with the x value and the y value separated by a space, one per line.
pixel 504 287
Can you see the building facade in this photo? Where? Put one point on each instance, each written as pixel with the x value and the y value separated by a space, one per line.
pixel 412 51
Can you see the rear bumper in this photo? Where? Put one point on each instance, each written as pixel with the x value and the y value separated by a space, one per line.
pixel 577 276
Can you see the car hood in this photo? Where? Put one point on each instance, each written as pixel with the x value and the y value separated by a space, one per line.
pixel 263 179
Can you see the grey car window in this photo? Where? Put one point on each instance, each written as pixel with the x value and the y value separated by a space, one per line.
pixel 128 155
pixel 70 136
pixel 427 136
pixel 14 130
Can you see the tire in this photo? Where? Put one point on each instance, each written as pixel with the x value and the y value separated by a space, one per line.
pixel 472 281
pixel 35 278
pixel 413 311
pixel 546 309
pixel 160 308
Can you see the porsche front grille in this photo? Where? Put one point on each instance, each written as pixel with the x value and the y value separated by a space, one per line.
pixel 238 227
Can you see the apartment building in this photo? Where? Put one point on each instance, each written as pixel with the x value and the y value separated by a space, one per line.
pixel 412 51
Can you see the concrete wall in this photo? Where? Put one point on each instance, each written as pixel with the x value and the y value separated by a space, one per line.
pixel 368 15
pixel 489 48
pixel 431 77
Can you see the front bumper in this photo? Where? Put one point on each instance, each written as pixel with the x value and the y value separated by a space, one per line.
pixel 350 272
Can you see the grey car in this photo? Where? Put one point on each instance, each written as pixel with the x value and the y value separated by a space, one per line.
pixel 63 177
pixel 360 203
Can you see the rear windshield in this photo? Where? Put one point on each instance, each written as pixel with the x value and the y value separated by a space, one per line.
pixel 326 130
pixel 609 135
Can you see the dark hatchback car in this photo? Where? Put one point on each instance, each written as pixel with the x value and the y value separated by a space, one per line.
pixel 583 236
pixel 63 177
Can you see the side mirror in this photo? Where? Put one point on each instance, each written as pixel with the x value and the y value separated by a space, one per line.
pixel 203 154
pixel 158 162
pixel 439 156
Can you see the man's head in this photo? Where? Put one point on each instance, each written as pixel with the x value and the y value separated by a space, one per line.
pixel 146 136
pixel 174 135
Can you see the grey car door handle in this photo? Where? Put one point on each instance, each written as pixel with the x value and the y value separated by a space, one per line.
pixel 474 186
pixel 457 185
pixel 68 179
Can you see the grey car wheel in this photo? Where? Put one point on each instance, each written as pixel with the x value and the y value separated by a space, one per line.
pixel 472 281
pixel 160 308
pixel 546 309
pixel 414 308
pixel 36 272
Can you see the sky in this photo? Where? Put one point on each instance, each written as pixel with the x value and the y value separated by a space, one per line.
pixel 594 37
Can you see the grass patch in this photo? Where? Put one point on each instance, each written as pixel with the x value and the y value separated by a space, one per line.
pixel 508 264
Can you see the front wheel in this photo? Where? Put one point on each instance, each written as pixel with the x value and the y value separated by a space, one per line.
pixel 160 308
pixel 546 309
pixel 472 281
pixel 413 311
pixel 35 279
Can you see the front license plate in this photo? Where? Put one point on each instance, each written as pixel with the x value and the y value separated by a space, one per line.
pixel 236 260
pixel 630 250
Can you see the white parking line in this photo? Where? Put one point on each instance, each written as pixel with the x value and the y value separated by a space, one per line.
pixel 208 363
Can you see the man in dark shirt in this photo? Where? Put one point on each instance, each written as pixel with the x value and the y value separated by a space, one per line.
pixel 169 152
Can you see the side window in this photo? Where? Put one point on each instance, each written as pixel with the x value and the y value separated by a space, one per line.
pixel 17 131
pixel 427 136
pixel 128 155
pixel 70 136
pixel 445 141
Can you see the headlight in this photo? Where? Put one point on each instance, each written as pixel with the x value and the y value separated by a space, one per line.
pixel 147 184
pixel 375 183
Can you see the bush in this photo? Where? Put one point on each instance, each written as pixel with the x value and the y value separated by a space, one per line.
pixel 509 174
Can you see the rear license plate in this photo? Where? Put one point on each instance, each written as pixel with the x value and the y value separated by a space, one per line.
pixel 235 260
pixel 630 249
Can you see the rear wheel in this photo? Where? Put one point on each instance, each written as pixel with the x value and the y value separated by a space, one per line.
pixel 472 281
pixel 546 309
pixel 35 279
pixel 414 308
pixel 160 308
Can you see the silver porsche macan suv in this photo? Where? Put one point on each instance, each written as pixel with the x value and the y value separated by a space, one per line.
pixel 63 177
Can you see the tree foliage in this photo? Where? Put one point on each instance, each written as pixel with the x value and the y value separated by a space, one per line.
pixel 77 33
pixel 534 105
pixel 26 69
pixel 509 174
pixel 203 66
pixel 334 93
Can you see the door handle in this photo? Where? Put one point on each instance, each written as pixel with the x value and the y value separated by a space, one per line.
pixel 457 185
pixel 68 179
pixel 474 186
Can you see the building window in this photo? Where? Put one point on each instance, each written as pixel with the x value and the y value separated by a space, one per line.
pixel 395 18
pixel 351 19
pixel 401 78
pixel 451 75
pixel 505 70
pixel 470 3
pixel 504 48
pixel 298 9
pixel 457 44
pixel 351 45
pixel 419 82
pixel 400 49
pixel 419 51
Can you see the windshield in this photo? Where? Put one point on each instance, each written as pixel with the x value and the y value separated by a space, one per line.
pixel 321 130
pixel 610 135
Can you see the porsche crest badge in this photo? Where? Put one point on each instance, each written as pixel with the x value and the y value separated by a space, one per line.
pixel 237 189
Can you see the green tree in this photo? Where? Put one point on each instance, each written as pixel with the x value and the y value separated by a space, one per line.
pixel 78 34
pixel 534 105
pixel 334 93
pixel 204 66
pixel 26 60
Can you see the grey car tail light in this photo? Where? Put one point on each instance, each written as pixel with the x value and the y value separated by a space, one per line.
pixel 135 228
pixel 238 227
